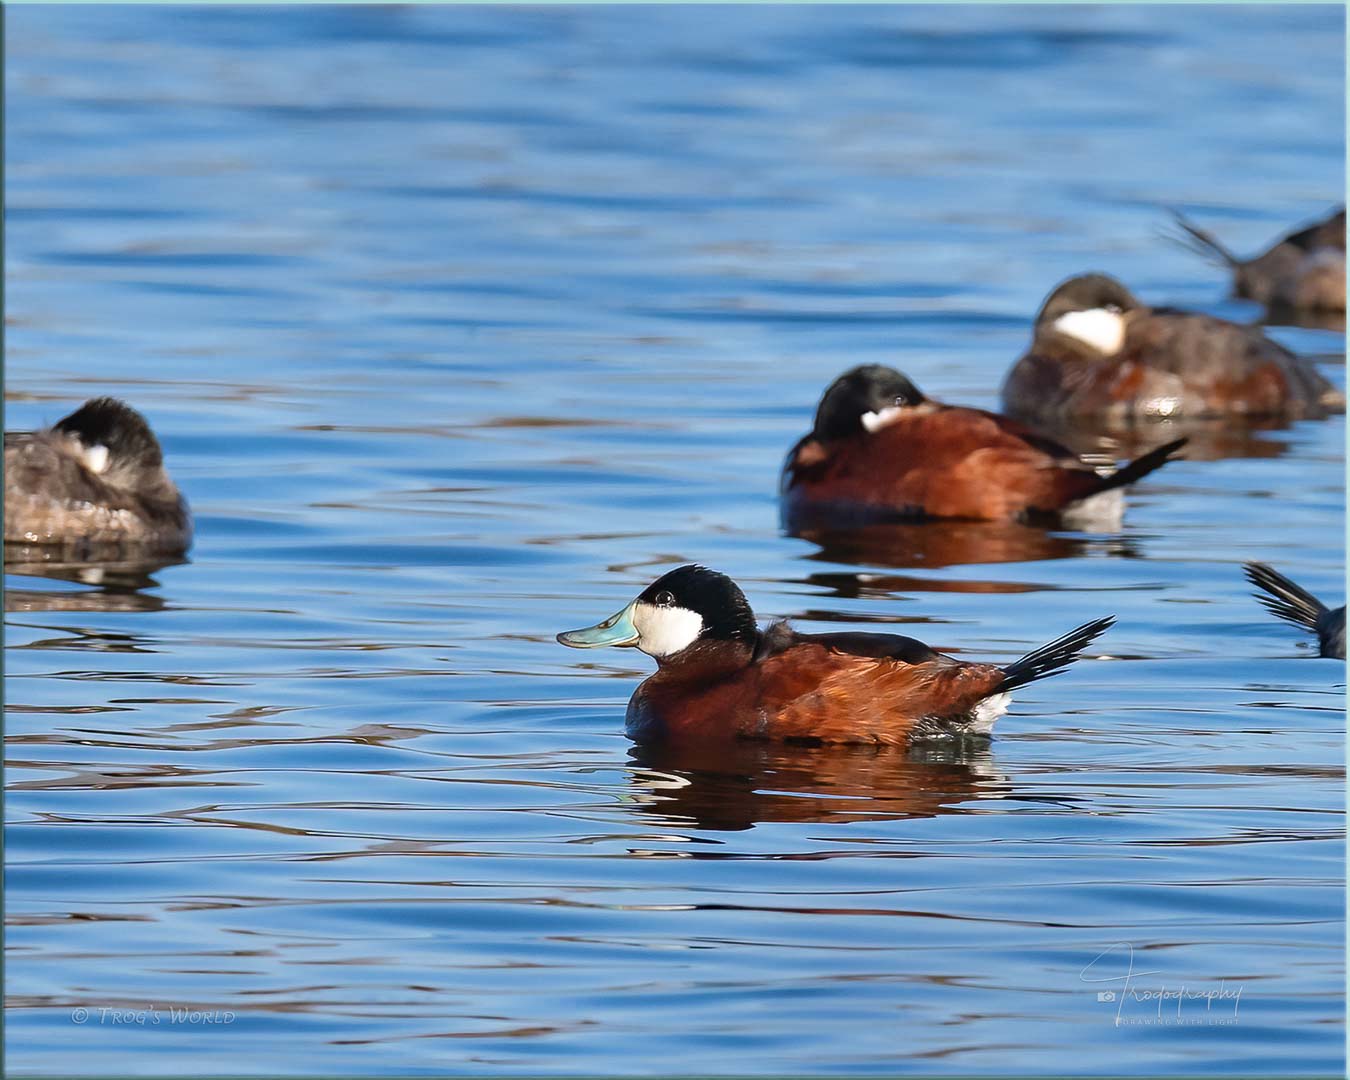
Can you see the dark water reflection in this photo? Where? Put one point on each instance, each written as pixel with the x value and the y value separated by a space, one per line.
pixel 956 543
pixel 103 586
pixel 743 786
pixel 459 324
pixel 1207 440
pixel 1310 320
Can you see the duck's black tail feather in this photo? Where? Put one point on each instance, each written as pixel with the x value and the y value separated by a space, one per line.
pixel 1053 658
pixel 1141 466
pixel 1285 599
pixel 1202 242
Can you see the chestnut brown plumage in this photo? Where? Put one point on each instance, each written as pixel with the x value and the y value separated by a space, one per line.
pixel 813 688
pixel 882 450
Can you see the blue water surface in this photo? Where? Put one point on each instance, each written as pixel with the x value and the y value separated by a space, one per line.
pixel 461 324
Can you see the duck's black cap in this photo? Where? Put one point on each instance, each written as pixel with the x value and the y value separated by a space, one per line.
pixel 717 599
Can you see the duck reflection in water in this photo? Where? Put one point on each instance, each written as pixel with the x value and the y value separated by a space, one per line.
pixel 1333 321
pixel 736 787
pixel 1206 439
pixel 110 586
pixel 933 546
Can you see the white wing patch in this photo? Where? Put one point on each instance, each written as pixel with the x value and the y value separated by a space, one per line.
pixel 664 631
pixel 1103 330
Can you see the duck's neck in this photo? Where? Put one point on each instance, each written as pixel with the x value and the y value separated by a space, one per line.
pixel 706 659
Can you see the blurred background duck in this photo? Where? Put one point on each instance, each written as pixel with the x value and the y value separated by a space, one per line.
pixel 719 677
pixel 1304 271
pixel 1294 603
pixel 1099 355
pixel 94 481
pixel 882 450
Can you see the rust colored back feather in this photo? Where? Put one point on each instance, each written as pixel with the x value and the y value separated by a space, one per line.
pixel 943 462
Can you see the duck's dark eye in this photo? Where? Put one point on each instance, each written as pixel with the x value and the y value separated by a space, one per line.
pixel 665 599
pixel 1114 309
pixel 900 400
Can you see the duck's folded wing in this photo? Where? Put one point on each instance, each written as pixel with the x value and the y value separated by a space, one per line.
pixel 953 433
pixel 816 691
pixel 37 466
pixel 852 643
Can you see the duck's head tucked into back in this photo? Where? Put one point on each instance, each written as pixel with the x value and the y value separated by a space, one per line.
pixel 1087 313
pixel 114 441
pixel 93 481
pixel 1099 355
pixel 719 677
pixel 881 450
pixel 865 399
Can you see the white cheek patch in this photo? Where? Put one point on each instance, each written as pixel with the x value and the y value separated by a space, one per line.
pixel 1103 330
pixel 95 458
pixel 875 421
pixel 664 631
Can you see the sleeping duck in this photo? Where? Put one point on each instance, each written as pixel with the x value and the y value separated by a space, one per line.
pixel 1099 355
pixel 94 480
pixel 882 450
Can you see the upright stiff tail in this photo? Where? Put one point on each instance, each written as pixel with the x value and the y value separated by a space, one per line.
pixel 1285 599
pixel 1053 658
pixel 1203 243
pixel 1140 467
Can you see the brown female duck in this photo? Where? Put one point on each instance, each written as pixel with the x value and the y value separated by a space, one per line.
pixel 95 480
pixel 1100 355
pixel 1304 271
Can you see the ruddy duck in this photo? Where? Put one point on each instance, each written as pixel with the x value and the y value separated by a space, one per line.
pixel 1296 604
pixel 882 450
pixel 719 677
pixel 93 482
pixel 1099 354
pixel 1304 271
